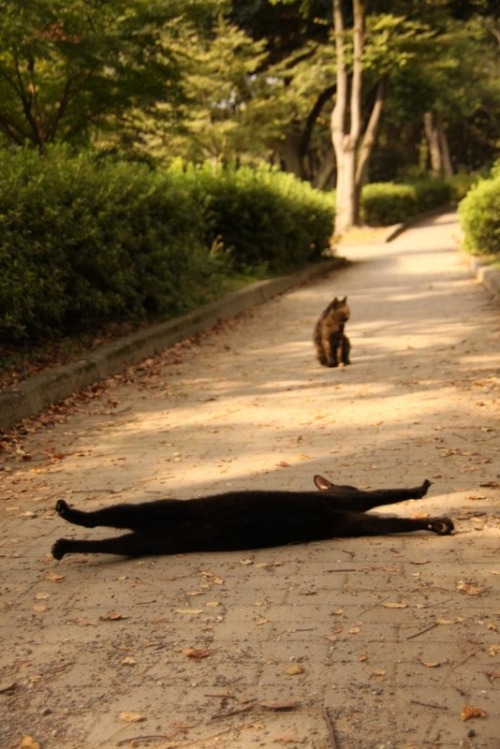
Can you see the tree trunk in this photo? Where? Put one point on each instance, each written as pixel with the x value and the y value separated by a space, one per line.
pixel 438 145
pixel 346 117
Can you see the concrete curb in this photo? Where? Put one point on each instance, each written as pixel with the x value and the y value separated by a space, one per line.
pixel 480 266
pixel 485 273
pixel 33 395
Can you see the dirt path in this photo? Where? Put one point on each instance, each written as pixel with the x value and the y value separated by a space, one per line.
pixel 350 644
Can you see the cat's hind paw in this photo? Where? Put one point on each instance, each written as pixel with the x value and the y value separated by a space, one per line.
pixel 442 526
pixel 59 548
pixel 62 508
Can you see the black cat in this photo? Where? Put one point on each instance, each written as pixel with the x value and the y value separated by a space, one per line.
pixel 245 520
pixel 332 344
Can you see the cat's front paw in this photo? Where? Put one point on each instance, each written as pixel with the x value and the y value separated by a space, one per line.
pixel 424 488
pixel 62 508
pixel 59 548
pixel 442 526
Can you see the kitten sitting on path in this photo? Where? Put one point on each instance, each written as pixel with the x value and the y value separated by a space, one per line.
pixel 332 345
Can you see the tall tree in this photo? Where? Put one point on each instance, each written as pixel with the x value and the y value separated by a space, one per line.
pixel 68 68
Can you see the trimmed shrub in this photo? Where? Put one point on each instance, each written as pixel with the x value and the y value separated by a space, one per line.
pixel 479 215
pixel 88 240
pixel 386 203
pixel 263 217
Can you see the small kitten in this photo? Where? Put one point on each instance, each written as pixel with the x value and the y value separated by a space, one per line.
pixel 332 345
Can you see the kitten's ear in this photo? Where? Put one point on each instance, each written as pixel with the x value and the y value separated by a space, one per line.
pixel 322 484
pixel 344 300
pixel 335 301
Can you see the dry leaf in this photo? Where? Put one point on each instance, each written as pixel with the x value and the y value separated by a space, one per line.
pixel 189 612
pixel 42 596
pixel 468 712
pixel 53 577
pixel 282 705
pixel 132 717
pixel 379 672
pixel 246 561
pixel 469 588
pixel 394 605
pixel 287 739
pixel 112 616
pixel 431 664
pixel 7 686
pixel 129 661
pixel 39 608
pixel 494 649
pixel 196 653
pixel 354 630
pixel 29 743
pixel 295 669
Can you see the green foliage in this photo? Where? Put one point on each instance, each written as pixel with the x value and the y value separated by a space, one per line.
pixel 387 203
pixel 263 216
pixel 480 216
pixel 69 70
pixel 87 240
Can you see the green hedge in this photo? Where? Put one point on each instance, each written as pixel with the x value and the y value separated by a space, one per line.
pixel 264 217
pixel 480 216
pixel 87 240
pixel 387 203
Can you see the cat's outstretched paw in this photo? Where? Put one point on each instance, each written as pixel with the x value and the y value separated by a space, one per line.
pixel 62 508
pixel 59 548
pixel 424 488
pixel 442 526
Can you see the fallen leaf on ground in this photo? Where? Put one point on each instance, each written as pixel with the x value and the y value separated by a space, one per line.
pixel 189 612
pixel 53 577
pixel 132 717
pixel 7 686
pixel 29 743
pixel 129 661
pixel 282 705
pixel 431 664
pixel 196 653
pixel 469 588
pixel 112 616
pixel 295 669
pixel 287 739
pixel 394 605
pixel 468 712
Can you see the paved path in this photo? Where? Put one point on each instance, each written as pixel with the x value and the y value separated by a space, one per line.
pixel 348 644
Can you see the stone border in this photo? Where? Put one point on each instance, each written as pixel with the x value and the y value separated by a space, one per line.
pixel 485 273
pixel 31 396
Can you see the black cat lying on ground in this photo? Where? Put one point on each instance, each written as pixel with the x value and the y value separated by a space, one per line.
pixel 245 520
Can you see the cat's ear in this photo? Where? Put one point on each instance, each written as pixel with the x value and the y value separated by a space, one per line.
pixel 344 300
pixel 335 301
pixel 322 484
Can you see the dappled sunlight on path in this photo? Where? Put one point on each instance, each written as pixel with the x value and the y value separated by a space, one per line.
pixel 394 627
